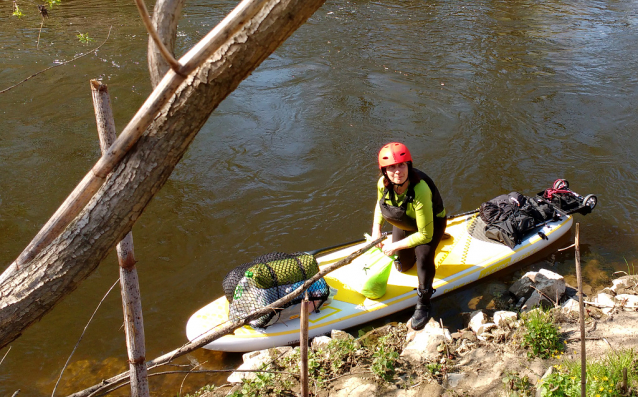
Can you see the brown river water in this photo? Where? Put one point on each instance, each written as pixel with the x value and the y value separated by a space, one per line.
pixel 491 97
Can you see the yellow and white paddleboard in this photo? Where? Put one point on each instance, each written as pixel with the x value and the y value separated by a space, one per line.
pixel 460 260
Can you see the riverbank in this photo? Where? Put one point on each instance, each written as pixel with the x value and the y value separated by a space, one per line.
pixel 500 352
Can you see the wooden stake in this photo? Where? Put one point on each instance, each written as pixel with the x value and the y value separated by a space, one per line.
pixel 581 304
pixel 303 345
pixel 131 297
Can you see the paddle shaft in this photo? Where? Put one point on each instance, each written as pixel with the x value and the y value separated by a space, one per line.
pixel 333 247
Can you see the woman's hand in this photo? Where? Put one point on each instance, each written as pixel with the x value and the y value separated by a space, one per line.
pixel 389 248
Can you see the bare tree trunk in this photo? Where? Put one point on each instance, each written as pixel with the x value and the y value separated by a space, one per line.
pixel 131 297
pixel 165 17
pixel 28 292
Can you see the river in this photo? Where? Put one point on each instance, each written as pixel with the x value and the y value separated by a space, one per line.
pixel 490 96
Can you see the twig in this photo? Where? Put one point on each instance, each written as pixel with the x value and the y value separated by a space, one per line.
pixel 59 64
pixel 566 248
pixel 81 336
pixel 168 57
pixel 341 376
pixel 5 355
pixel 186 376
pixel 37 46
pixel 576 338
pixel 102 392
pixel 16 393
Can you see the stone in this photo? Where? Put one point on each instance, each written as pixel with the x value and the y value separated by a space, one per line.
pixel 535 300
pixel 570 307
pixel 522 288
pixel 454 379
pixel 254 360
pixel 483 328
pixel 505 318
pixel 370 338
pixel 339 335
pixel 425 344
pixel 355 386
pixel 478 318
pixel 320 342
pixel 551 284
pixel 627 300
pixel 606 300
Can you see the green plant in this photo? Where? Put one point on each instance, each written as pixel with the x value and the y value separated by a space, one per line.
pixel 262 384
pixel 515 386
pixel 384 360
pixel 603 376
pixel 541 336
pixel 434 368
pixel 52 3
pixel 631 271
pixel 84 38
pixel 205 389
pixel 17 12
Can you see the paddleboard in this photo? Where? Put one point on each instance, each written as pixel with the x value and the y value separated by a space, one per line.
pixel 465 257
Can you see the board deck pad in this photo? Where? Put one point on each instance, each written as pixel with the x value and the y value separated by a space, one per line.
pixel 460 260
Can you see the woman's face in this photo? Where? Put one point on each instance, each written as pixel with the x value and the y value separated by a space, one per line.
pixel 397 173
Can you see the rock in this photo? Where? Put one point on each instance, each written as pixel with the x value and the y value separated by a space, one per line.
pixel 483 328
pixel 536 299
pixel 522 288
pixel 628 300
pixel 254 360
pixel 570 307
pixel 371 337
pixel 425 343
pixel 606 300
pixel 340 335
pixel 504 318
pixel 478 318
pixel 320 342
pixel 550 284
pixel 355 386
pixel 454 379
pixel 625 282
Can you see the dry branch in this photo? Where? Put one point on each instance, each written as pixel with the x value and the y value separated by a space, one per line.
pixel 59 64
pixel 229 327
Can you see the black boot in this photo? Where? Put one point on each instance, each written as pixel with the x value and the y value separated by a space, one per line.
pixel 423 307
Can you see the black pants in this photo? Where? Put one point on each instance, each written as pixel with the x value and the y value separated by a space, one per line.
pixel 422 255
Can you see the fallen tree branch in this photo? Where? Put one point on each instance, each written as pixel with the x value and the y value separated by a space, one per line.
pixel 228 328
pixel 60 64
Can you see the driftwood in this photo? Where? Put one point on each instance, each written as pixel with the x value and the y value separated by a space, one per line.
pixel 226 329
pixel 131 297
pixel 134 169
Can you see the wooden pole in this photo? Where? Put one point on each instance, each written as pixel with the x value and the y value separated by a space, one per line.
pixel 581 305
pixel 131 297
pixel 226 328
pixel 303 345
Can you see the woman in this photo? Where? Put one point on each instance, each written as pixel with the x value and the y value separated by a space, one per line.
pixel 409 200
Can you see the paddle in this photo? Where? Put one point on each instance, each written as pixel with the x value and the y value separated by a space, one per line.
pixel 333 247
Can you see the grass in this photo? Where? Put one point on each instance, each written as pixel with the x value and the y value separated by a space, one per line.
pixel 603 377
pixel 541 337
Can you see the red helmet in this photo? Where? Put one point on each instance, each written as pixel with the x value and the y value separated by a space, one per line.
pixel 393 153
